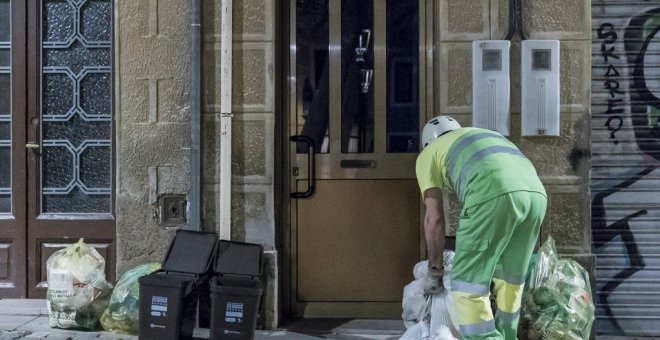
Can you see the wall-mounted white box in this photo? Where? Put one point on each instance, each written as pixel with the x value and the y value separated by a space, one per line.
pixel 540 87
pixel 491 85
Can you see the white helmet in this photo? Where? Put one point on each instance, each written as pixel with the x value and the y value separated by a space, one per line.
pixel 437 127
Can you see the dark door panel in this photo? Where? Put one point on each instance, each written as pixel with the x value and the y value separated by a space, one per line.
pixel 12 149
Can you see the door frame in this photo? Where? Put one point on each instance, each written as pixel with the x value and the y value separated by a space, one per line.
pixel 286 104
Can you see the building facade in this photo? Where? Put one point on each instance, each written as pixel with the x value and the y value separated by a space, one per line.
pixel 100 91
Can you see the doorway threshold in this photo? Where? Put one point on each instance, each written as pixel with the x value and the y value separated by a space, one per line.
pixel 346 328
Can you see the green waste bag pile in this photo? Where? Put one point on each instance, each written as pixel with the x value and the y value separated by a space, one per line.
pixel 557 301
pixel 122 314
pixel 78 292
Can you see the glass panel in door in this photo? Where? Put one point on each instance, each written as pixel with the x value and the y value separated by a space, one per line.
pixel 402 76
pixel 357 76
pixel 313 73
pixel 76 107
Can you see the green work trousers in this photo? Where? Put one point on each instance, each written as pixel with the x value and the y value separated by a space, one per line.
pixel 494 243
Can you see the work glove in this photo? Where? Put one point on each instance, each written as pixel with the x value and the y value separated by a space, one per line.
pixel 433 280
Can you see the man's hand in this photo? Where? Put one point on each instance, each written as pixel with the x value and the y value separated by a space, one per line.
pixel 433 280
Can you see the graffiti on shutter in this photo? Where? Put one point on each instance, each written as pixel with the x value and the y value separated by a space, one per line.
pixel 625 179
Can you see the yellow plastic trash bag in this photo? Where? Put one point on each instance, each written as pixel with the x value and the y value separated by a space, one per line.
pixel 557 300
pixel 78 292
pixel 122 314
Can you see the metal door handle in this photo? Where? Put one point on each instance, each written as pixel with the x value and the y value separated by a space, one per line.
pixel 36 148
pixel 311 168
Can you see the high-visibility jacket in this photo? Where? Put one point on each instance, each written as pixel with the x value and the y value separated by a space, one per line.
pixel 476 164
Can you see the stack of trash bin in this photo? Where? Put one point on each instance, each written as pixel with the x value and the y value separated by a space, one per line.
pixel 200 273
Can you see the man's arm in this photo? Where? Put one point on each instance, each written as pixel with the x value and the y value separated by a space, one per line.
pixel 434 228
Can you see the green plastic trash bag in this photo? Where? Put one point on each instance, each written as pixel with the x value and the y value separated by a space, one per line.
pixel 557 301
pixel 123 312
pixel 78 292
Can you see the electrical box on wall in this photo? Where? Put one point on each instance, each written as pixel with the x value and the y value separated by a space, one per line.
pixel 540 87
pixel 491 85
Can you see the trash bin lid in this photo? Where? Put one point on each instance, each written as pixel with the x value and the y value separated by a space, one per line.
pixel 190 252
pixel 238 258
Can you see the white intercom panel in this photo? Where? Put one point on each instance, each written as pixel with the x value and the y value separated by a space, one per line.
pixel 491 85
pixel 540 87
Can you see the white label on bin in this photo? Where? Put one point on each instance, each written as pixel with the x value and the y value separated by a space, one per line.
pixel 158 305
pixel 234 312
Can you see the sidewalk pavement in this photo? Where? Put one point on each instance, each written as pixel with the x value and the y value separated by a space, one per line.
pixel 28 319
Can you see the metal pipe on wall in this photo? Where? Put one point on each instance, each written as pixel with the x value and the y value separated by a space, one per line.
pixel 225 121
pixel 194 195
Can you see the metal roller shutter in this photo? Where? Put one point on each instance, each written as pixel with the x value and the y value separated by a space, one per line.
pixel 625 179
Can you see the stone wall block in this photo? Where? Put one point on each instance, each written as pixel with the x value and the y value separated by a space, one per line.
pixel 545 19
pixel 253 20
pixel 464 20
pixel 155 58
pixel 552 156
pixel 135 94
pixel 139 239
pixel 249 147
pixel 566 220
pixel 575 73
pixel 212 78
pixel 253 75
pixel 154 144
pixel 210 152
pixel 557 19
pixel 210 211
pixel 252 215
pixel 455 67
pixel 211 20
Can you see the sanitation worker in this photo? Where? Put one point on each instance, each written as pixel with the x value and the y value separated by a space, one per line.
pixel 503 205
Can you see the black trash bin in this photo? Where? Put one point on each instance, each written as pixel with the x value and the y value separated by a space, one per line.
pixel 236 290
pixel 169 297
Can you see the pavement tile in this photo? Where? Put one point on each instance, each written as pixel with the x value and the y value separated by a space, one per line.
pixel 38 335
pixel 12 322
pixel 38 325
pixel 260 335
pixel 9 335
pixel 376 327
pixel 23 307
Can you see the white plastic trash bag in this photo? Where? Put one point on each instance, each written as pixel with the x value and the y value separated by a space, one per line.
pixel 78 292
pixel 420 331
pixel 441 325
pixel 414 303
pixel 429 318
